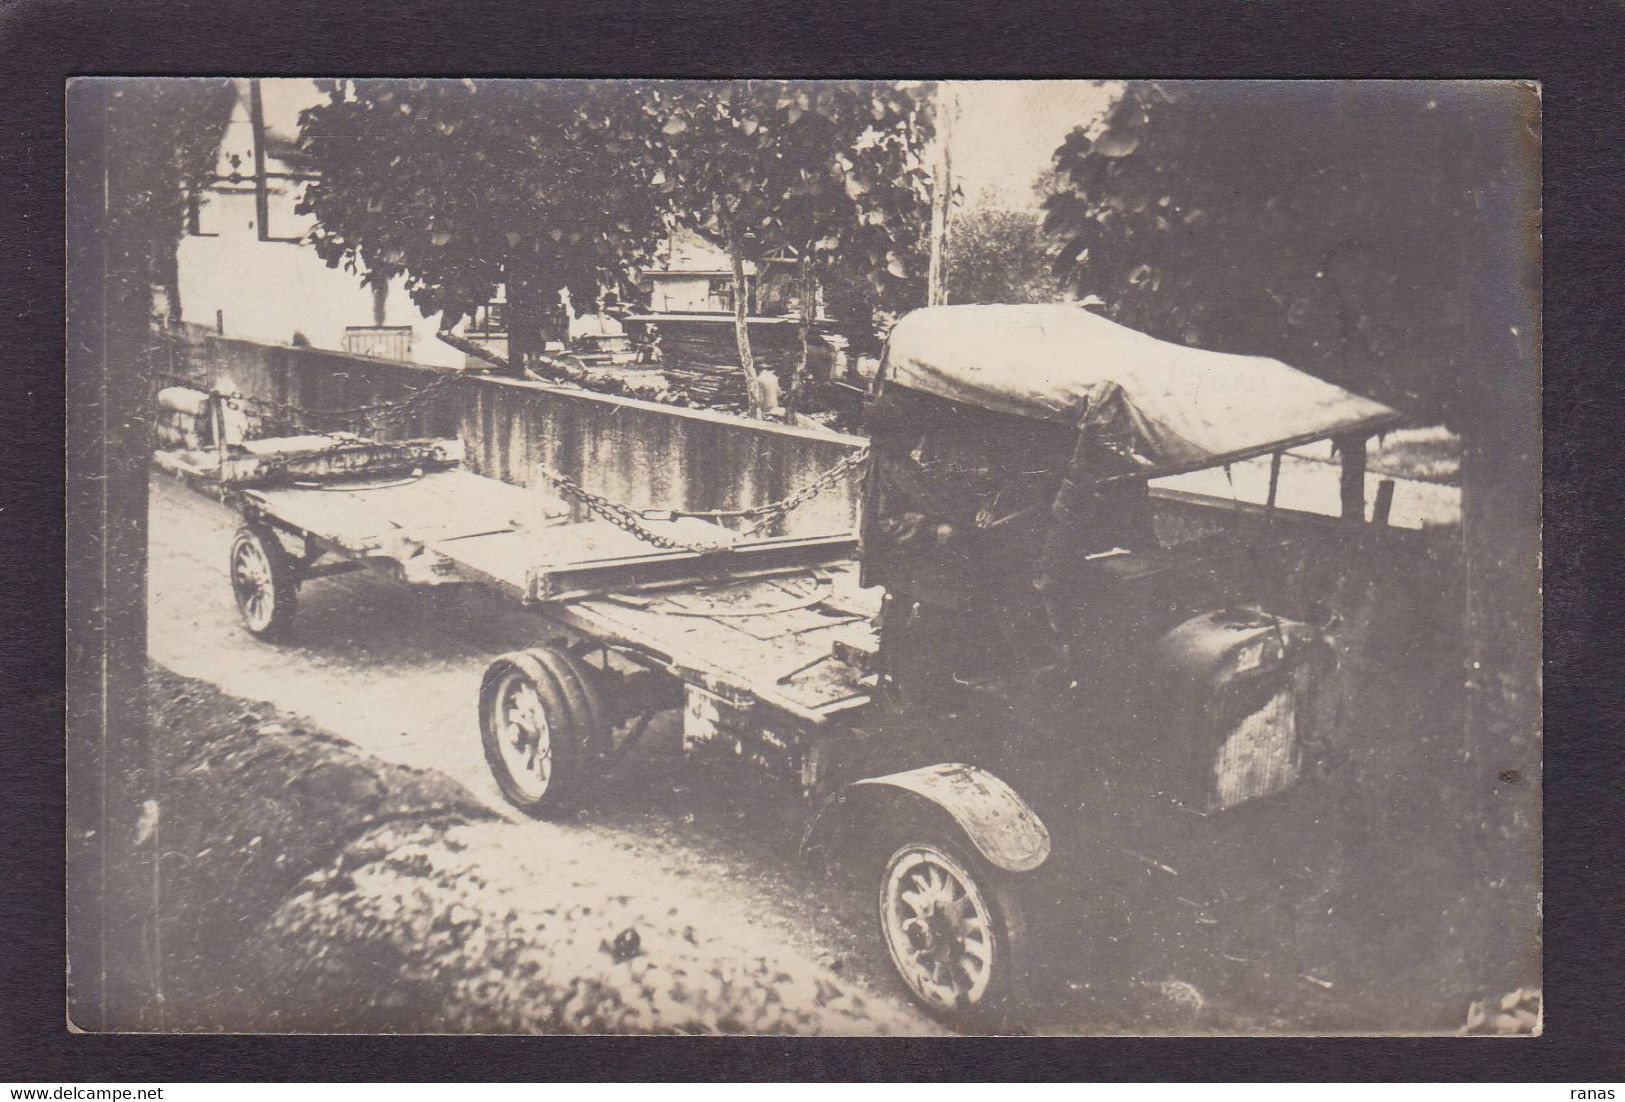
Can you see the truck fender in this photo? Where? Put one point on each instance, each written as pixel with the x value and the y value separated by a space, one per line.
pixel 998 822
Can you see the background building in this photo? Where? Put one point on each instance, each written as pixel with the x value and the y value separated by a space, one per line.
pixel 695 277
pixel 244 268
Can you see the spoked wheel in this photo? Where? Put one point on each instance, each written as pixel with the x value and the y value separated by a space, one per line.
pixel 541 727
pixel 955 937
pixel 264 581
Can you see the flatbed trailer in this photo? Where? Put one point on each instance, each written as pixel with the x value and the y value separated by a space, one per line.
pixel 755 621
pixel 772 626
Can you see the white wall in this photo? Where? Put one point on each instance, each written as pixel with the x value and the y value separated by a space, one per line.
pixel 269 290
pixel 680 293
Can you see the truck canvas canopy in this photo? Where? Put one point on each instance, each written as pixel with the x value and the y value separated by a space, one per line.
pixel 1165 407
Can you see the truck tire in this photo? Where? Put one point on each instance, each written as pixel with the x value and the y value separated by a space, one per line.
pixel 542 731
pixel 954 927
pixel 264 581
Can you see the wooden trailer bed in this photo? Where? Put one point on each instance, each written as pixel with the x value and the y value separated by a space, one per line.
pixel 774 622
pixel 756 622
pixel 796 641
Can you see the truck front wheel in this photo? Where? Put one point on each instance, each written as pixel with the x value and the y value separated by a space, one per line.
pixel 954 929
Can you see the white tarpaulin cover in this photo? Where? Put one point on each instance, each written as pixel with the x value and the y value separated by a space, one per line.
pixel 1169 406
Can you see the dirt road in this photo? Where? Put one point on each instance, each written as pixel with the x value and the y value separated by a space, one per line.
pixel 396 674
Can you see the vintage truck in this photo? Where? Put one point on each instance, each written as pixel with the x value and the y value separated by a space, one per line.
pixel 1005 702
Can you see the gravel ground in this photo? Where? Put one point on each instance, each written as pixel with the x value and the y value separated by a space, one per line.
pixel 316 889
pixel 494 937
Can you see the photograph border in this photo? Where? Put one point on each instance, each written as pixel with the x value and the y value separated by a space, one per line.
pixel 1565 49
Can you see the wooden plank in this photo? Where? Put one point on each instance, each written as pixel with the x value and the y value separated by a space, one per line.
pixel 796 622
pixel 851 598
pixel 439 505
pixel 562 580
pixel 783 601
pixel 511 559
pixel 598 619
pixel 726 659
pixel 829 682
pixel 498 559
pixel 503 535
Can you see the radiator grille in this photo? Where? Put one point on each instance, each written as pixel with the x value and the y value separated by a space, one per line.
pixel 1258 753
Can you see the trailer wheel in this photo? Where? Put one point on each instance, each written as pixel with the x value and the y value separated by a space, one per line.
pixel 264 581
pixel 955 930
pixel 541 727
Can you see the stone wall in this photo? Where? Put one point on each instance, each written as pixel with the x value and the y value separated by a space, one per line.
pixel 311 379
pixel 650 455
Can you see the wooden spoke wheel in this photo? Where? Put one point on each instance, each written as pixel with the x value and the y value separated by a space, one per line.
pixel 954 932
pixel 264 581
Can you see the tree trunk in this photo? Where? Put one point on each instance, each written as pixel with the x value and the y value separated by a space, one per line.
pixel 942 197
pixel 742 323
pixel 168 275
pixel 804 320
pixel 525 314
pixel 116 980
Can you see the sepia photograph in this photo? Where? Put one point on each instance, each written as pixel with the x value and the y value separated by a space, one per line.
pixel 805 557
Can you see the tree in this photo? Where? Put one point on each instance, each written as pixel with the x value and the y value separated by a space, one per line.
pixel 830 170
pixel 136 145
pixel 173 129
pixel 1375 233
pixel 863 298
pixel 1000 255
pixel 1384 235
pixel 461 186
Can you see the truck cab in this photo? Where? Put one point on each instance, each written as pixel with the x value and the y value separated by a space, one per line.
pixel 1057 686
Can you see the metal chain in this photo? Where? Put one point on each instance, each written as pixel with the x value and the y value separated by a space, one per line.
pixel 778 509
pixel 373 417
pixel 623 517
pixel 377 415
pixel 269 467
pixel 630 520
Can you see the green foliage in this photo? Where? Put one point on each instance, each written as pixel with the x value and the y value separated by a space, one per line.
pixel 832 169
pixel 166 134
pixel 463 185
pixel 1383 235
pixel 1000 255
